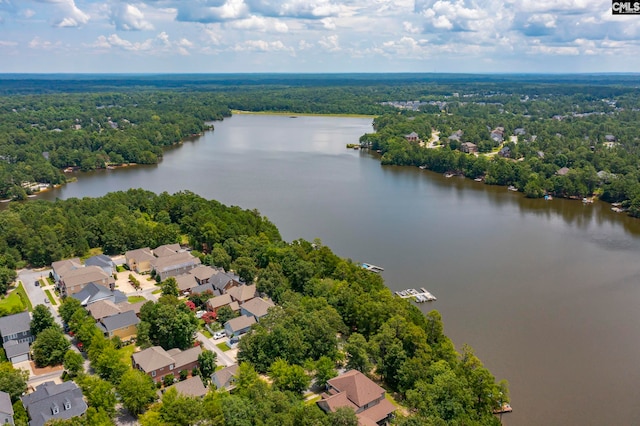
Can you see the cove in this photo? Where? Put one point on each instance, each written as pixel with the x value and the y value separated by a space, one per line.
pixel 545 292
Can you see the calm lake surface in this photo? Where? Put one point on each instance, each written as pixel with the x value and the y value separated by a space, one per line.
pixel 548 293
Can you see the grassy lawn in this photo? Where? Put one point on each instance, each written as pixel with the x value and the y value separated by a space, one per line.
pixel 92 252
pixel 126 352
pixel 50 281
pixel 156 291
pixel 313 400
pixel 223 347
pixel 135 299
pixel 120 268
pixel 51 299
pixel 207 333
pixel 17 300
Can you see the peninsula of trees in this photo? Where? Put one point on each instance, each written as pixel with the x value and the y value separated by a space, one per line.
pixel 329 312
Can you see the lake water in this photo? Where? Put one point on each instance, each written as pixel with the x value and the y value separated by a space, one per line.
pixel 548 293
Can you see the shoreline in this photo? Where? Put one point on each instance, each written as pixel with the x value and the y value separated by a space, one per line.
pixel 299 114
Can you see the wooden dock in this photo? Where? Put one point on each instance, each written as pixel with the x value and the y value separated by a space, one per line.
pixel 419 296
pixel 372 268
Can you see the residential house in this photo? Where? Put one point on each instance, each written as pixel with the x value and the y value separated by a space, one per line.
pixel 186 282
pixel 256 307
pixel 16 327
pixel 456 136
pixel 505 152
pixel 203 274
pixel 223 281
pixel 6 409
pixel 412 137
pixel 356 391
pixel 519 131
pixel 204 288
pixel 17 352
pixel 92 293
pixel 609 138
pixel 106 308
pixel 468 147
pixel 225 378
pixel 174 264
pixel 157 363
pixel 123 325
pixel 563 171
pixel 74 281
pixel 238 326
pixel 242 293
pixel 102 261
pixel 166 250
pixel 61 267
pixel 218 302
pixel 191 387
pixel 497 134
pixel 139 260
pixel 54 401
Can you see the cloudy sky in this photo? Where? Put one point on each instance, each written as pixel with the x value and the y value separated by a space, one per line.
pixel 209 36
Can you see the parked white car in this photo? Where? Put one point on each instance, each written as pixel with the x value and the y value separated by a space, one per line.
pixel 219 335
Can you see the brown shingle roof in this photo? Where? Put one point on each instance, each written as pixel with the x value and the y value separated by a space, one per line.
pixel 188 356
pixel 174 261
pixel 240 322
pixel 193 386
pixel 140 255
pixel 358 387
pixel 203 272
pixel 219 301
pixel 166 250
pixel 152 358
pixel 63 266
pixel 257 307
pixel 186 282
pixel 242 293
pixel 103 308
pixel 85 275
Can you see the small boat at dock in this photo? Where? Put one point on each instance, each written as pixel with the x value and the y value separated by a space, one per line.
pixel 419 296
pixel 372 268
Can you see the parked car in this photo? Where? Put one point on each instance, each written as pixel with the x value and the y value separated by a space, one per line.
pixel 37 283
pixel 46 300
pixel 219 335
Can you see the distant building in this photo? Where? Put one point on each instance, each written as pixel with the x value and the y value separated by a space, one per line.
pixel 6 409
pixel 563 171
pixel 469 148
pixel 412 137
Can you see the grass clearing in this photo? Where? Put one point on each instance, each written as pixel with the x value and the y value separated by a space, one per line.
pixel 51 298
pixel 51 281
pixel 223 347
pixel 126 352
pixel 207 333
pixel 92 252
pixel 16 301
pixel 313 400
pixel 136 299
pixel 157 291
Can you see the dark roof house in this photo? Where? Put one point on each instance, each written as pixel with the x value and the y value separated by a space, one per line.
pixel 52 401
pixel 16 352
pixel 225 378
pixel 256 307
pixel 239 325
pixel 92 293
pixel 16 327
pixel 102 261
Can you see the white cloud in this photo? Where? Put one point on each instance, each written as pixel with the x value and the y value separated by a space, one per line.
pixel 160 44
pixel 38 43
pixel 5 43
pixel 211 11
pixel 72 16
pixel 408 27
pixel 27 13
pixel 127 17
pixel 330 43
pixel 262 46
pixel 259 24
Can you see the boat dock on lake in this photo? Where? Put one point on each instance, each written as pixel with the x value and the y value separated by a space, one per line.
pixel 419 296
pixel 372 268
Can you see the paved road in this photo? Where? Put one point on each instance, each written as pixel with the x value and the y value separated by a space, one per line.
pixel 37 295
pixel 210 344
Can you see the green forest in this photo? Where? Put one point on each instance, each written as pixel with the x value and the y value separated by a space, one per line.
pixel 330 312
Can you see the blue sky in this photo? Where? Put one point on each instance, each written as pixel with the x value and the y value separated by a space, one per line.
pixel 210 36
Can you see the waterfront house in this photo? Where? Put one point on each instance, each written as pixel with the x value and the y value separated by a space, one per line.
pixel 54 401
pixel 359 393
pixel 256 307
pixel 139 260
pixel 238 326
pixel 225 378
pixel 157 363
pixel 412 137
pixel 6 409
pixel 468 147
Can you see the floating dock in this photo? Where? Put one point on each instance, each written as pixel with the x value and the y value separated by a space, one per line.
pixel 372 268
pixel 419 296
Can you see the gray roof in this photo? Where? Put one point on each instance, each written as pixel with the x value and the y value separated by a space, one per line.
pixel 203 272
pixel 258 307
pixel 174 261
pixel 166 250
pixel 63 266
pixel 203 289
pixel 193 387
pixel 5 403
pixel 40 404
pixel 94 292
pixel 222 377
pixel 186 282
pixel 12 348
pixel 242 293
pixel 118 321
pixel 240 323
pixel 100 260
pixel 221 279
pixel 14 324
pixel 85 275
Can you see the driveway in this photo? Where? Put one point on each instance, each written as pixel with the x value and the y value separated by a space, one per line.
pixel 224 358
pixel 37 295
